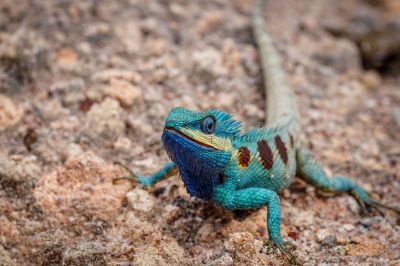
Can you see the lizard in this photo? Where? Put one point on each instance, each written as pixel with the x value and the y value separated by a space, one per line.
pixel 237 169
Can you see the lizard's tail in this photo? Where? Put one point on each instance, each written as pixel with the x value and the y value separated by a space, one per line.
pixel 281 102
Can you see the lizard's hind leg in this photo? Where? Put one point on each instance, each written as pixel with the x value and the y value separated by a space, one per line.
pixel 311 171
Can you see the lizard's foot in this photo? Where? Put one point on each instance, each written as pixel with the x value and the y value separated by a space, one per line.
pixel 132 175
pixel 378 206
pixel 287 250
pixel 269 244
pixel 365 208
pixel 367 205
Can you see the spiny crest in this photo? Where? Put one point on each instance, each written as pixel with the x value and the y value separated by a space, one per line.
pixel 231 126
pixel 220 115
pixel 255 134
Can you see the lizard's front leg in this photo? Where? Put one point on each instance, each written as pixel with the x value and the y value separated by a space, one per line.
pixel 256 197
pixel 168 170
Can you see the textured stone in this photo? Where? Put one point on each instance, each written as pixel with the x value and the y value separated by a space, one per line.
pixel 242 249
pixel 5 259
pixel 123 91
pixel 83 186
pixel 15 169
pixel 112 74
pixel 207 63
pixel 209 22
pixel 140 200
pixel 230 55
pixel 129 34
pixel 67 58
pixel 104 120
pixel 10 113
pixel 85 253
pixel 341 55
pixel 168 253
pixel 156 47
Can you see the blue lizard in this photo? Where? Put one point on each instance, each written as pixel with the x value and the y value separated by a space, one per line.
pixel 238 170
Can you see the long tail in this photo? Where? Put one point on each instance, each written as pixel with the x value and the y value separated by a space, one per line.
pixel 281 102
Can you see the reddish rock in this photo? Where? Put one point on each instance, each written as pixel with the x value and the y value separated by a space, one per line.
pixel 82 186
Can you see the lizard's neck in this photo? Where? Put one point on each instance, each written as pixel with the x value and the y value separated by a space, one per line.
pixel 199 183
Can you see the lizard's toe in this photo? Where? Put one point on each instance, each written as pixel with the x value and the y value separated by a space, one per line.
pixel 290 246
pixel 132 175
pixel 287 250
pixel 378 206
pixel 269 245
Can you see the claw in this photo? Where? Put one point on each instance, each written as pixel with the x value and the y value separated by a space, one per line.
pixel 269 244
pixel 133 176
pixel 290 246
pixel 377 204
pixel 364 209
pixel 287 250
pixel 116 179
pixel 124 166
pixel 367 204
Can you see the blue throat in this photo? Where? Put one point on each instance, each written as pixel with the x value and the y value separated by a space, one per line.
pixel 199 166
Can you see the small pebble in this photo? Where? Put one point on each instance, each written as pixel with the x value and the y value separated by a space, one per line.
pixel 348 227
pixel 10 113
pixel 369 221
pixel 326 238
pixel 140 200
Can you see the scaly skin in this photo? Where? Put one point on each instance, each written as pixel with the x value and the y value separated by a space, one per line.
pixel 241 170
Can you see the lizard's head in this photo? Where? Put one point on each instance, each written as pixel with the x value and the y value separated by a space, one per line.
pixel 200 144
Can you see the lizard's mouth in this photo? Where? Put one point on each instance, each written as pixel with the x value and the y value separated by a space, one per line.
pixel 174 130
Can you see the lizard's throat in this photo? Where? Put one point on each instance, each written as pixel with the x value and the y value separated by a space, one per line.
pixel 198 165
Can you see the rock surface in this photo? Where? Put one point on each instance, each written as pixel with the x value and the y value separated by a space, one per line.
pixel 87 83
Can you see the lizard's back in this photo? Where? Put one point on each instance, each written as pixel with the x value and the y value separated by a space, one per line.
pixel 265 157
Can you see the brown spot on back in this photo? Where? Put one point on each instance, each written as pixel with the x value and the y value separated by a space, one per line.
pixel 280 145
pixel 244 156
pixel 265 154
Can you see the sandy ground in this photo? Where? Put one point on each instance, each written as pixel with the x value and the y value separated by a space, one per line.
pixel 85 83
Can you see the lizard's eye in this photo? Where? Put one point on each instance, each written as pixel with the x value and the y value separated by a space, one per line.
pixel 208 125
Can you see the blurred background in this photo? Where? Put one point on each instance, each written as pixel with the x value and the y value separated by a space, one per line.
pixel 86 83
